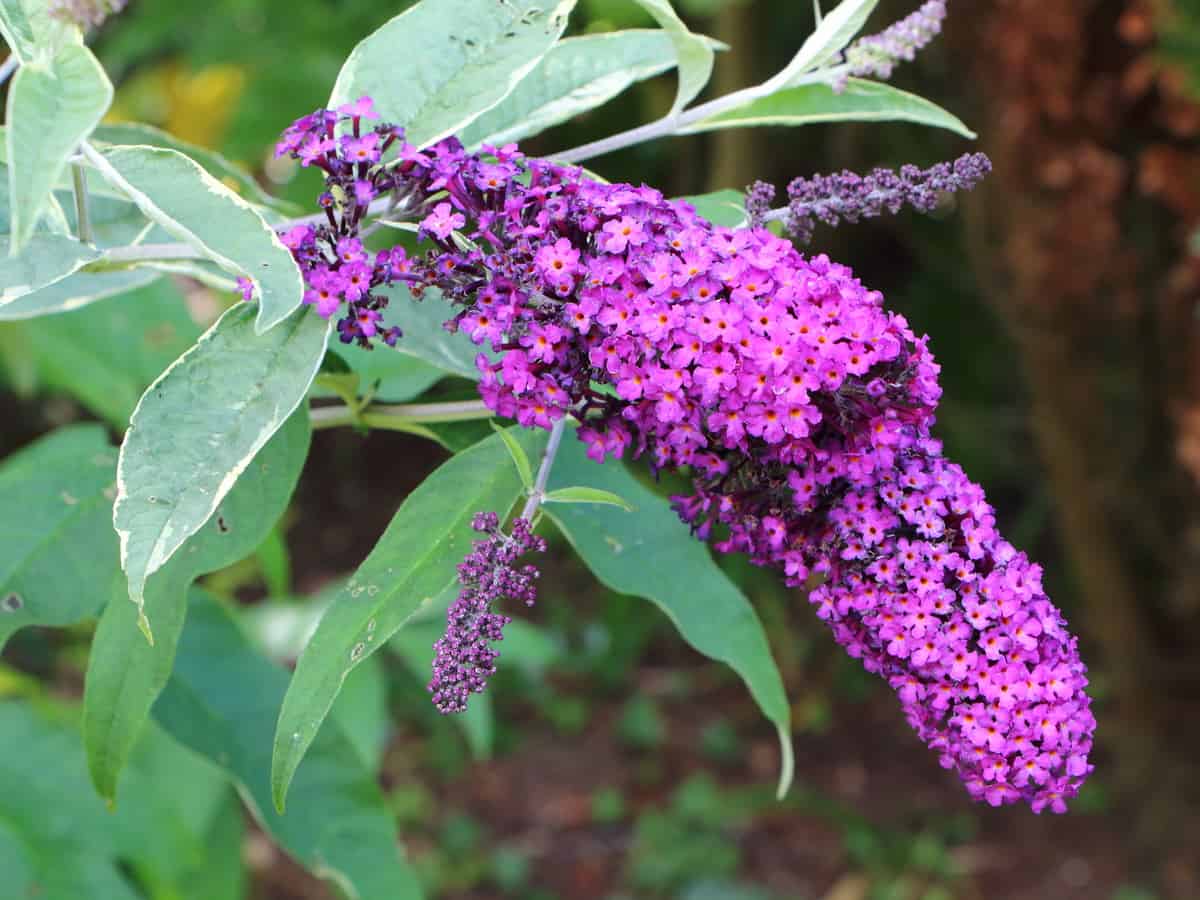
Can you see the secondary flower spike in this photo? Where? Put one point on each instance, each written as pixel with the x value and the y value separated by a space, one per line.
pixel 465 658
pixel 800 406
pixel 877 55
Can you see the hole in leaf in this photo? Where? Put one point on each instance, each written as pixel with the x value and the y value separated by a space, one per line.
pixel 12 603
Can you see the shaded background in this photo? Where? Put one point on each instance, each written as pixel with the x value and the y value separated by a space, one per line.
pixel 1061 298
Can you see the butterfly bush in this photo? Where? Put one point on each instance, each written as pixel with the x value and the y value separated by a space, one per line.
pixel 801 407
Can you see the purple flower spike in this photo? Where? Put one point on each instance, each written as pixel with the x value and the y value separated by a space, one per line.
pixel 878 54
pixel 465 657
pixel 850 197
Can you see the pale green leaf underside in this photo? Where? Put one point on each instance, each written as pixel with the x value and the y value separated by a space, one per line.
pixel 694 53
pixel 52 106
pixel 46 259
pixel 576 75
pixel 200 424
pixel 441 63
pixel 651 554
pixel 411 565
pixel 220 168
pixel 73 292
pixel 861 101
pixel 836 30
pixel 178 194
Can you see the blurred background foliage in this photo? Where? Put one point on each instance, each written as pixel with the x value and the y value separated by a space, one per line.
pixel 1062 302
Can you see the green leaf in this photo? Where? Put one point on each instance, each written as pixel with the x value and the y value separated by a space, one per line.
pixel 577 74
pixel 519 457
pixel 582 494
pixel 441 63
pixel 105 355
pixel 727 207
pixel 836 30
pixel 125 673
pixel 74 292
pixel 861 101
pixel 45 259
pixel 51 108
pixel 400 376
pixel 58 556
pixel 413 563
pixel 174 191
pixel 200 424
pixel 221 701
pixel 694 55
pixel 414 646
pixel 426 339
pixel 652 555
pixel 58 842
pixel 229 174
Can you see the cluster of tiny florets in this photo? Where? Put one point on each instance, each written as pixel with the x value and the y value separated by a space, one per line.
pixel 849 197
pixel 877 55
pixel 801 408
pixel 340 274
pixel 465 656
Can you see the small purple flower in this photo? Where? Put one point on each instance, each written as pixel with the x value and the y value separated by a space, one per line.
pixel 442 221
pixel 362 108
pixel 245 287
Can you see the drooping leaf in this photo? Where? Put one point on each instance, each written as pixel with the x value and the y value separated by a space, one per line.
pixel 220 168
pixel 411 565
pixel 694 54
pixel 52 106
pixel 125 673
pixel 577 74
pixel 74 292
pixel 106 354
pixel 651 554
pixel 179 195
pixel 441 63
pixel 45 259
pixel 221 701
pixel 58 556
pixel 861 101
pixel 200 424
pixel 836 30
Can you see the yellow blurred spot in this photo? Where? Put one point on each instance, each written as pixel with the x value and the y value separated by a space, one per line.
pixel 192 105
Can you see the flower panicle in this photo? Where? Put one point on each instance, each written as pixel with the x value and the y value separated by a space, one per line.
pixel 465 657
pixel 849 197
pixel 877 55
pixel 801 407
